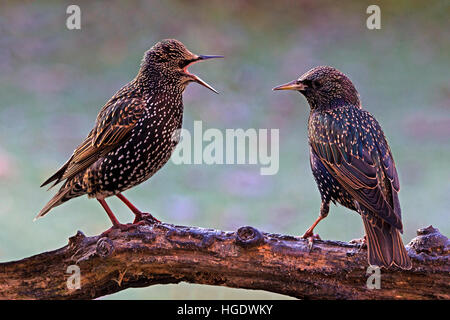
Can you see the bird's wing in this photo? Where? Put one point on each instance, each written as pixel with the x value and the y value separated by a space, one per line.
pixel 352 146
pixel 114 122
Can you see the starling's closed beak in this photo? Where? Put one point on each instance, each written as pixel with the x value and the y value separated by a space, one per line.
pixel 197 78
pixel 293 85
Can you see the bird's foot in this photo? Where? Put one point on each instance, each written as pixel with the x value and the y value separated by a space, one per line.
pixel 310 237
pixel 144 218
pixel 118 228
pixel 362 243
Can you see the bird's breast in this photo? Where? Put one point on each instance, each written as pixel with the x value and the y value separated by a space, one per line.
pixel 147 148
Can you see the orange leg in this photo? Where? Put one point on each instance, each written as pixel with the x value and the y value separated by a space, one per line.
pixel 138 213
pixel 135 210
pixel 115 222
pixel 324 209
pixel 310 232
pixel 111 215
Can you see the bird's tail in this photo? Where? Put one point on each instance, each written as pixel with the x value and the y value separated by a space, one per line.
pixel 384 244
pixel 67 192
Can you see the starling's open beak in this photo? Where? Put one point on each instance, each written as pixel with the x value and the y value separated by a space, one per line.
pixel 196 78
pixel 293 85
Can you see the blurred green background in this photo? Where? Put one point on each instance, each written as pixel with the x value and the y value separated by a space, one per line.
pixel 53 81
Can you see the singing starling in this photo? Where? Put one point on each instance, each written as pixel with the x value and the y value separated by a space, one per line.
pixel 135 132
pixel 352 163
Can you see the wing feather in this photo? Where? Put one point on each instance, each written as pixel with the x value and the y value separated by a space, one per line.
pixel 359 157
pixel 116 119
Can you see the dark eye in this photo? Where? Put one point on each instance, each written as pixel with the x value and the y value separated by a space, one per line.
pixel 183 63
pixel 316 84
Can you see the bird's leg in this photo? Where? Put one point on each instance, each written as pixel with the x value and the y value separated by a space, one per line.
pixel 135 210
pixel 309 234
pixel 139 215
pixel 324 208
pixel 112 217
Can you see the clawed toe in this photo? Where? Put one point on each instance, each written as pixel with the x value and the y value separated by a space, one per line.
pixel 141 219
pixel 144 217
pixel 118 227
pixel 362 244
pixel 313 236
pixel 310 237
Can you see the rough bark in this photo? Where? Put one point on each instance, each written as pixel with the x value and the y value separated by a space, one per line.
pixel 162 253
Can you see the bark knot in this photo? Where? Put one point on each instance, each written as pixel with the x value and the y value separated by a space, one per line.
pixel 105 247
pixel 248 237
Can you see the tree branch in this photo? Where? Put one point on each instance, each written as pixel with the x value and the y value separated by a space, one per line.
pixel 162 253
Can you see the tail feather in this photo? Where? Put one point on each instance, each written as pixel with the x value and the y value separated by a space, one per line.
pixel 66 192
pixel 401 258
pixel 384 244
pixel 56 176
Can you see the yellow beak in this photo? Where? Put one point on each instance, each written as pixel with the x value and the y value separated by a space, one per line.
pixel 293 85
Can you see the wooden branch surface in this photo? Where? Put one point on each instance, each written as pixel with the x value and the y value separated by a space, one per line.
pixel 162 253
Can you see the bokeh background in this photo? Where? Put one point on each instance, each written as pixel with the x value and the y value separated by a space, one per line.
pixel 53 81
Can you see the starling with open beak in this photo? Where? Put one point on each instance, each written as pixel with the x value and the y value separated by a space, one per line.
pixel 352 163
pixel 134 134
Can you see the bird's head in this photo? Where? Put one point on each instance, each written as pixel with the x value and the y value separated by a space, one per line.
pixel 325 88
pixel 167 62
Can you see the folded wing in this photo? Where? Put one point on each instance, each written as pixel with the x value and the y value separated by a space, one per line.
pixel 358 156
pixel 114 122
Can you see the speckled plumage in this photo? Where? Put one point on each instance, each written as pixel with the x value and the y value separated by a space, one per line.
pixel 135 132
pixel 352 163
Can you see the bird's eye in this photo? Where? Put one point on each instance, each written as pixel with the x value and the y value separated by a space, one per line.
pixel 316 84
pixel 184 63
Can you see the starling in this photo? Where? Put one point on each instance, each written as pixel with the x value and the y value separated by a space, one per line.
pixel 352 163
pixel 134 134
